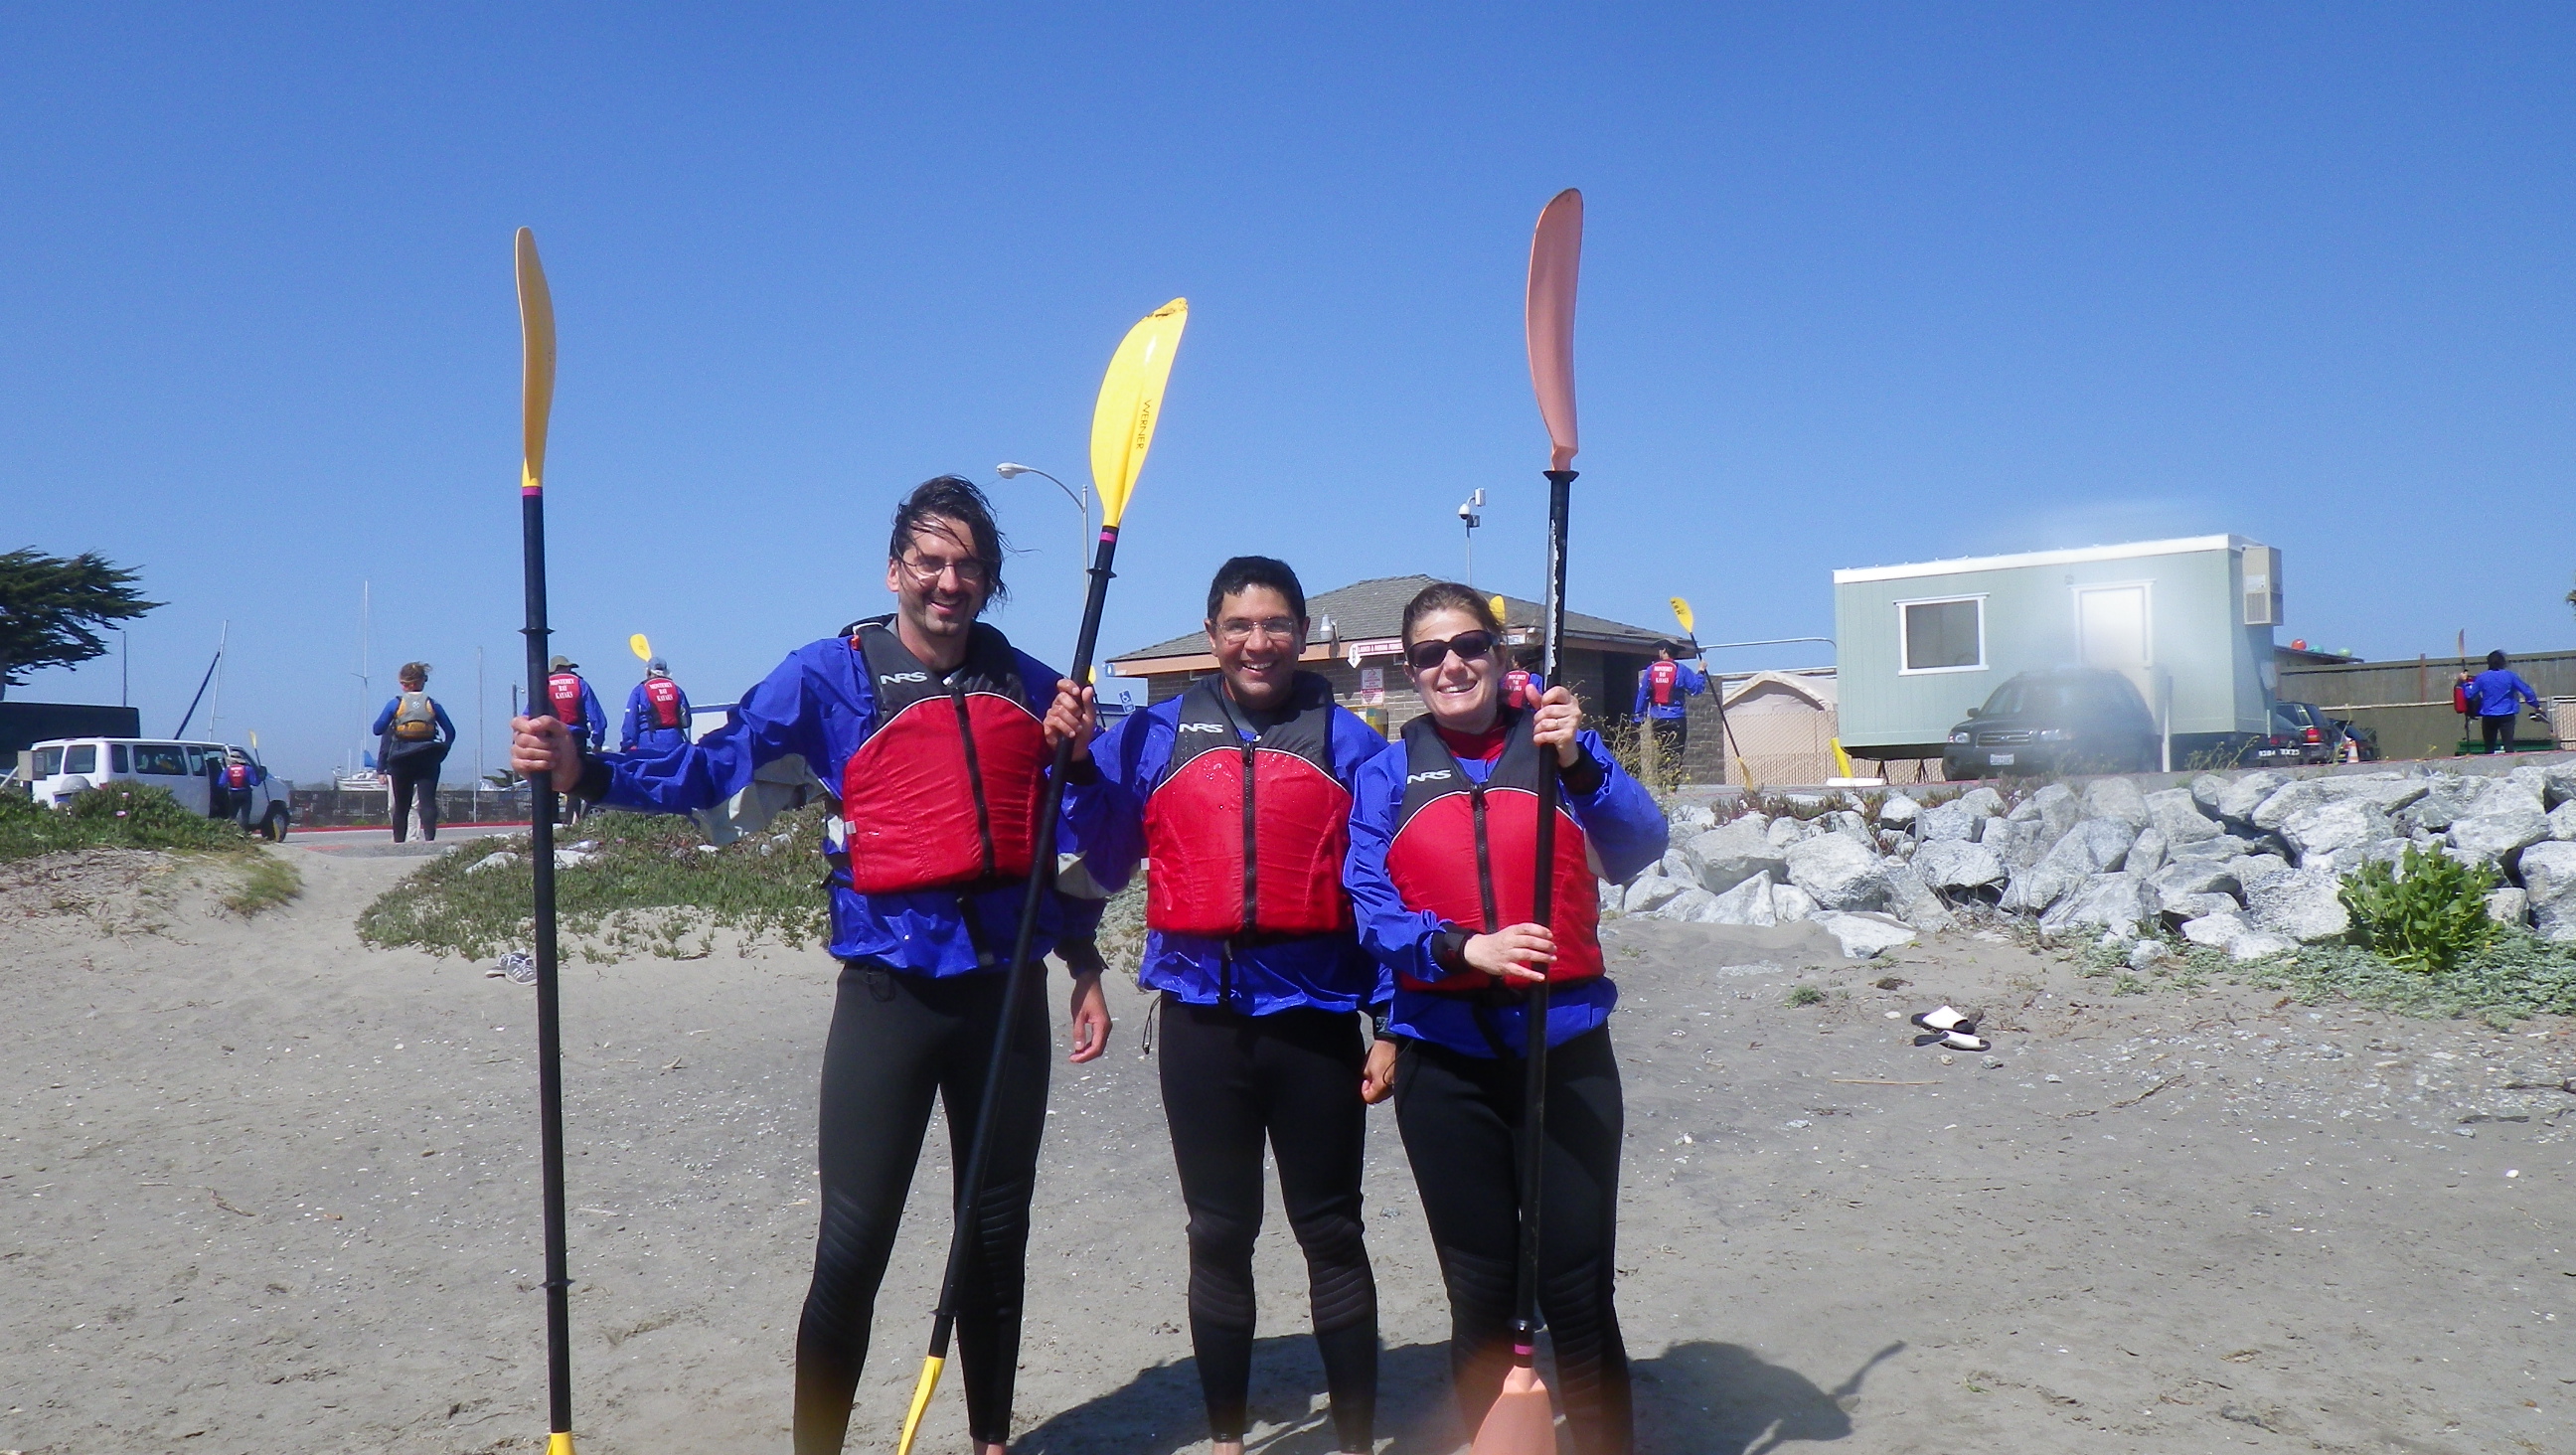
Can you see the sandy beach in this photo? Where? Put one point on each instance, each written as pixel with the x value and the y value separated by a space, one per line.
pixel 270 1190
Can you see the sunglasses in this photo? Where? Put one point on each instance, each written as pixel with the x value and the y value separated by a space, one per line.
pixel 1424 656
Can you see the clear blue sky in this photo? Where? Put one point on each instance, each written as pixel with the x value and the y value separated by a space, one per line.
pixel 1862 285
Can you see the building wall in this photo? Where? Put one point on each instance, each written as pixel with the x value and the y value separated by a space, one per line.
pixel 2194 627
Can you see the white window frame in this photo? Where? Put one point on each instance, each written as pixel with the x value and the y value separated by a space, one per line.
pixel 1905 646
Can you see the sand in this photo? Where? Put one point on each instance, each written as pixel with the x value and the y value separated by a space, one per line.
pixel 270 1190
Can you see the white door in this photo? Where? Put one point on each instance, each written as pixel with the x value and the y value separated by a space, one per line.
pixel 2111 632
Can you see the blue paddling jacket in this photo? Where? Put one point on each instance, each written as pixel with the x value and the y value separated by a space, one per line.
pixel 930 854
pixel 657 717
pixel 1420 948
pixel 1236 814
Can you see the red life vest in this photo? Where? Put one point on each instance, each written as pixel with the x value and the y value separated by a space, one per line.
pixel 945 793
pixel 236 775
pixel 1518 688
pixel 564 690
pixel 2460 698
pixel 1661 679
pixel 1247 838
pixel 1467 852
pixel 662 695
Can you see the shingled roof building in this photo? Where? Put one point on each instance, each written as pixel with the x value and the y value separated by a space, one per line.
pixel 1357 640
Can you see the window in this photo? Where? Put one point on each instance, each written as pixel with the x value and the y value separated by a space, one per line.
pixel 49 762
pixel 81 758
pixel 1943 636
pixel 196 760
pixel 162 758
pixel 116 758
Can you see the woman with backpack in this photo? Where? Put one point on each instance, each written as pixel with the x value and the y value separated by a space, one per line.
pixel 416 734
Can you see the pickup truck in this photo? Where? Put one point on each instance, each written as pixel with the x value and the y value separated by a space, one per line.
pixel 195 773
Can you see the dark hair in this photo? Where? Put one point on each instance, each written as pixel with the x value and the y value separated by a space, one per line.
pixel 1242 571
pixel 1665 648
pixel 419 672
pixel 2495 661
pixel 952 497
pixel 1450 596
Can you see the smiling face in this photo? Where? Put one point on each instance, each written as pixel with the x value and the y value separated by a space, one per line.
pixel 1461 693
pixel 1257 637
pixel 939 585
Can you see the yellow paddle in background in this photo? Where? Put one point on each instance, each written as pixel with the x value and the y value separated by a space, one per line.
pixel 1122 430
pixel 642 649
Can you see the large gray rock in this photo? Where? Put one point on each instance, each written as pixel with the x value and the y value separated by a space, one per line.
pixel 2117 798
pixel 2055 807
pixel 1945 822
pixel 2253 869
pixel 1790 904
pixel 1912 900
pixel 1853 827
pixel 1686 906
pixel 1838 873
pixel 2105 902
pixel 2449 798
pixel 2549 881
pixel 1651 892
pixel 2189 877
pixel 1981 802
pixel 1863 934
pixel 1692 818
pixel 2177 814
pixel 2181 908
pixel 1729 854
pixel 2233 934
pixel 2034 888
pixel 2509 906
pixel 2304 905
pixel 1896 811
pixel 2097 845
pixel 2495 837
pixel 2234 799
pixel 2562 822
pixel 2316 833
pixel 1785 831
pixel 2221 848
pixel 2389 792
pixel 1748 903
pixel 1612 898
pixel 1954 865
pixel 2146 852
pixel 2558 784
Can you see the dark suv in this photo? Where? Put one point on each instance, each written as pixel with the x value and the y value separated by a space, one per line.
pixel 2065 720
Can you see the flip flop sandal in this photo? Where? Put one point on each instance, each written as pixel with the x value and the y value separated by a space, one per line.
pixel 1951 1041
pixel 1945 1020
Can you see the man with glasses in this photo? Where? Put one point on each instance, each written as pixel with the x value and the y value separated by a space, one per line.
pixel 937 736
pixel 1239 793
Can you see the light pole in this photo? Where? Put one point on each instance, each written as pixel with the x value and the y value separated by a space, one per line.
pixel 1468 517
pixel 1081 556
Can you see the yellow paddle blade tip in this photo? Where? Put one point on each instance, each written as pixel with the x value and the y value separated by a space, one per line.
pixel 922 1390
pixel 640 647
pixel 560 1442
pixel 1131 403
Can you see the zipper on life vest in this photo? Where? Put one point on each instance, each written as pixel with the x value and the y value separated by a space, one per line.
pixel 1251 861
pixel 974 777
pixel 1484 860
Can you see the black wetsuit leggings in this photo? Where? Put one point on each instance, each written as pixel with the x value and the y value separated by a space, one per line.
pixel 416 783
pixel 898 1040
pixel 1461 1118
pixel 1293 1076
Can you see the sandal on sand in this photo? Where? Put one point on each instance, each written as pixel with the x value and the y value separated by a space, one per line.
pixel 1951 1040
pixel 1945 1019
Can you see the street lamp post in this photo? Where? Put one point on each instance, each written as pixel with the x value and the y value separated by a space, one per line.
pixel 1467 516
pixel 1082 502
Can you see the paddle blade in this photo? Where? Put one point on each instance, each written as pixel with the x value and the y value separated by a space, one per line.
pixel 1522 1422
pixel 1682 613
pixel 1131 400
pixel 537 364
pixel 922 1390
pixel 1501 612
pixel 642 649
pixel 1556 256
pixel 559 1443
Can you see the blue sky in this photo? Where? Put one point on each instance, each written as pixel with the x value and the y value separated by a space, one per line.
pixel 1862 285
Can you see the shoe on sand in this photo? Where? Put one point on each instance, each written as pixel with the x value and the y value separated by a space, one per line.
pixel 1945 1019
pixel 1951 1040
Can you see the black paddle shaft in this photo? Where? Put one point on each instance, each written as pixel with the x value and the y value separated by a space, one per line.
pixel 541 856
pixel 1525 1323
pixel 979 1151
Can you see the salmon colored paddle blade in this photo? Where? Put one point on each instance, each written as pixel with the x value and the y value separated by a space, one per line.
pixel 1682 613
pixel 640 647
pixel 537 369
pixel 1131 400
pixel 1556 256
pixel 1522 1422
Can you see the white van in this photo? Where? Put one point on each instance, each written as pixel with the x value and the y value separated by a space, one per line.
pixel 59 768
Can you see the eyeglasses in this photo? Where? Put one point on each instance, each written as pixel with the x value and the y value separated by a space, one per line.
pixel 926 571
pixel 1237 629
pixel 1424 656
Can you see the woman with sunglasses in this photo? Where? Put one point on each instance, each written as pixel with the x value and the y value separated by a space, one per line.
pixel 1238 793
pixel 1442 867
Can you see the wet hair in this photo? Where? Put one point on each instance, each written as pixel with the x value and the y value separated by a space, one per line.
pixel 1665 649
pixel 1241 572
pixel 1450 596
pixel 952 497
pixel 2495 661
pixel 413 672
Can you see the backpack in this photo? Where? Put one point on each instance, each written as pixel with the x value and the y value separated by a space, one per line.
pixel 415 719
pixel 2460 698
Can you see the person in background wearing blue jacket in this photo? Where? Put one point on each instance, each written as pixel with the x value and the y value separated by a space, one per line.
pixel 1238 792
pixel 1664 691
pixel 2492 700
pixel 1441 873
pixel 415 733
pixel 657 713
pixel 928 724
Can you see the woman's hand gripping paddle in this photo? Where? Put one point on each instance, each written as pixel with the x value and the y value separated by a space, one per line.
pixel 536 406
pixel 1522 1421
pixel 1122 430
